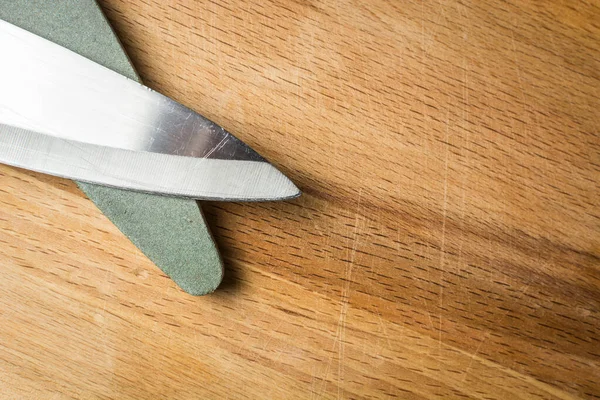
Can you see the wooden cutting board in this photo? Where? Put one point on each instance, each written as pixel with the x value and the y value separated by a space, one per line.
pixel 446 246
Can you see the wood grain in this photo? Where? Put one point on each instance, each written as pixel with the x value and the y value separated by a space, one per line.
pixel 447 244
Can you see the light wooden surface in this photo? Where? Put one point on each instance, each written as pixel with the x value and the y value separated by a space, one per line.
pixel 447 244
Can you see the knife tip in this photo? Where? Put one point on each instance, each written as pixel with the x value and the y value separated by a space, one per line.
pixel 292 193
pixel 284 188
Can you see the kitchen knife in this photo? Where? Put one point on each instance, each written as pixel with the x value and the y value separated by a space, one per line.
pixel 170 231
pixel 65 115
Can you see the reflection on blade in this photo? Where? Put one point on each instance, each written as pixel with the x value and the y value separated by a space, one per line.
pixel 64 115
pixel 199 178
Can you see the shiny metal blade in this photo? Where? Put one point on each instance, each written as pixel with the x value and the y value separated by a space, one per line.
pixel 65 115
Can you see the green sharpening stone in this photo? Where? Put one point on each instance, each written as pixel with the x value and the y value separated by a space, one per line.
pixel 171 232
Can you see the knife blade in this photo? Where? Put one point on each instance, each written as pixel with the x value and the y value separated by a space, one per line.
pixel 64 115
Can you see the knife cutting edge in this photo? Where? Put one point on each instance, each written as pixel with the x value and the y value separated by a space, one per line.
pixel 64 115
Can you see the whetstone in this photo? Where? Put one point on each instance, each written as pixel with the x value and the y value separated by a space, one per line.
pixel 171 232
